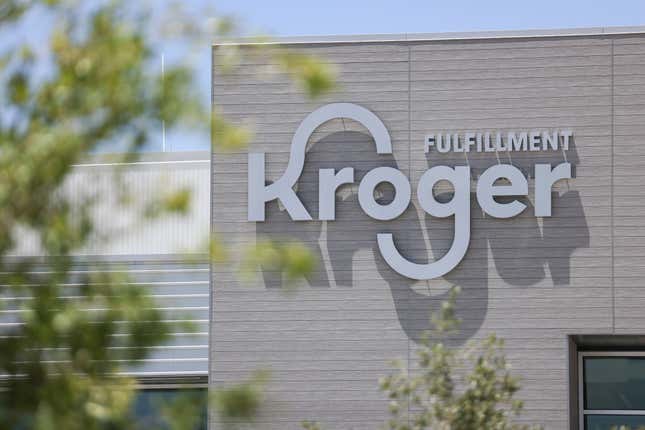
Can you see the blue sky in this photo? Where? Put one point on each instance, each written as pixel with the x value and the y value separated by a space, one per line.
pixel 338 17
pixel 290 17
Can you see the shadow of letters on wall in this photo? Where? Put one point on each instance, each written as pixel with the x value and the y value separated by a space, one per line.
pixel 467 203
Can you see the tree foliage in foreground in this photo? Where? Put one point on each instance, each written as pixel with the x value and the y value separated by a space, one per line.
pixel 96 84
pixel 58 360
pixel 451 388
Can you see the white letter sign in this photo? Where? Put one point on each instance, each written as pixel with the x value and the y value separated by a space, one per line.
pixel 459 177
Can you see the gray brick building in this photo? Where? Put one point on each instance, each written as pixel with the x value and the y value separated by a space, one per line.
pixel 564 290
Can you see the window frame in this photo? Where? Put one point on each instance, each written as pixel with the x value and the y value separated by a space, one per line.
pixel 582 412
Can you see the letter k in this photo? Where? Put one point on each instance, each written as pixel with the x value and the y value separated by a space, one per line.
pixel 259 193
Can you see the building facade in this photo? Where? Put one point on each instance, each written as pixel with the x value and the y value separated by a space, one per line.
pixel 508 164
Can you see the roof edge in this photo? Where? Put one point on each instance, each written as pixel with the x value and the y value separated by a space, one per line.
pixel 170 157
pixel 447 36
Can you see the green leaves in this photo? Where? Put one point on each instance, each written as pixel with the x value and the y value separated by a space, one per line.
pixel 169 201
pixel 12 10
pixel 467 389
pixel 240 403
pixel 64 356
pixel 311 425
pixel 18 87
pixel 69 350
pixel 313 75
pixel 226 136
pixel 293 259
pixel 185 411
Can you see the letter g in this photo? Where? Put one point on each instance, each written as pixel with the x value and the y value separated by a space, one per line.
pixel 459 206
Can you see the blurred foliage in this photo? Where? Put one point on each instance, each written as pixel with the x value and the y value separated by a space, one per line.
pixel 168 201
pixel 60 360
pixel 292 259
pixel 314 77
pixel 11 10
pixel 227 137
pixel 241 403
pixel 217 250
pixel 438 397
pixel 186 411
pixel 310 425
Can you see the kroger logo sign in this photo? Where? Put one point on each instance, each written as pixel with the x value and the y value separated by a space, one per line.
pixel 459 177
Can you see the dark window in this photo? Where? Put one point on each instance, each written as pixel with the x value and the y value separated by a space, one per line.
pixel 614 383
pixel 612 390
pixel 151 405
